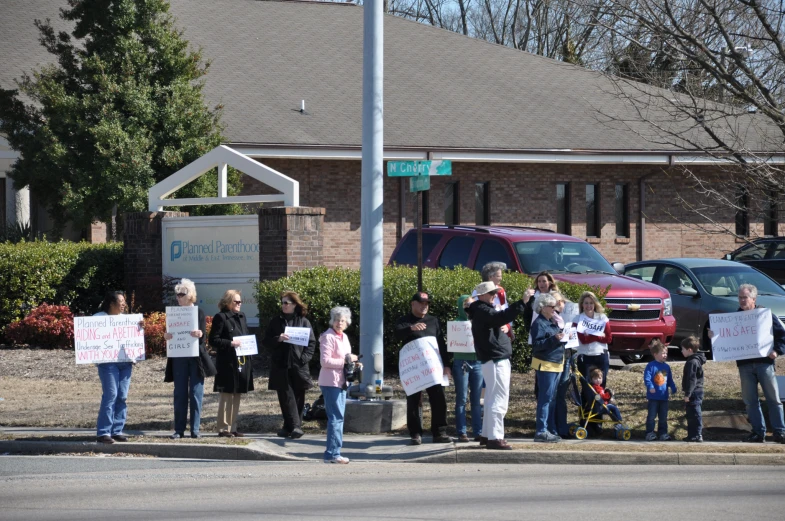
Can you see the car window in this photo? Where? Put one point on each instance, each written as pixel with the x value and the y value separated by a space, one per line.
pixel 724 281
pixel 560 256
pixel 751 252
pixel 407 253
pixel 492 251
pixel 777 250
pixel 674 278
pixel 641 273
pixel 456 253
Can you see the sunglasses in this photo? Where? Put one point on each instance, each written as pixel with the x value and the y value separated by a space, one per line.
pixel 286 303
pixel 182 294
pixel 238 301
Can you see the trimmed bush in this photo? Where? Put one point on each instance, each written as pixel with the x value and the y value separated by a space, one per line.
pixel 45 326
pixel 76 275
pixel 322 289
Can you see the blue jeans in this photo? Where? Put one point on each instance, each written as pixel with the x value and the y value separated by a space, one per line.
pixel 761 373
pixel 695 415
pixel 334 405
pixel 602 362
pixel 557 423
pixel 188 387
pixel 657 409
pixel 469 382
pixel 115 381
pixel 546 396
pixel 615 414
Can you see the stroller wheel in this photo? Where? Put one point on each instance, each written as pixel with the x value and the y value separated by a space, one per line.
pixel 626 434
pixel 581 433
pixel 572 428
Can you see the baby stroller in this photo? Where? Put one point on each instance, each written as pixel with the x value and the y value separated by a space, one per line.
pixel 592 409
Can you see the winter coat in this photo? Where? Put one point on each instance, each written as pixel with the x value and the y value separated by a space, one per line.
pixel 204 362
pixel 404 333
pixel 489 341
pixel 545 345
pixel 289 362
pixel 234 374
pixel 692 379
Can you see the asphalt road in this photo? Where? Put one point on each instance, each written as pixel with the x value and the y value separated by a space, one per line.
pixel 83 488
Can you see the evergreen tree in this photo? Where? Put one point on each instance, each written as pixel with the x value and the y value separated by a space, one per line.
pixel 120 110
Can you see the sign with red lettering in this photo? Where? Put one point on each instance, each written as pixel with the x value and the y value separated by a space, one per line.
pixel 108 338
pixel 741 335
pixel 420 365
pixel 180 321
pixel 459 336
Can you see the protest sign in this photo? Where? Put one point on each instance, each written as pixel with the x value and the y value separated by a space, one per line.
pixel 570 312
pixel 247 345
pixel 591 326
pixel 180 321
pixel 419 365
pixel 741 335
pixel 459 337
pixel 299 336
pixel 570 338
pixel 108 338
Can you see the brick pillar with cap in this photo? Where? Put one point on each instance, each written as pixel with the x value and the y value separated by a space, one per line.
pixel 290 239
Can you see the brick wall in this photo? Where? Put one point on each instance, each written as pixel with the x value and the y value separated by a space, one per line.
pixel 290 239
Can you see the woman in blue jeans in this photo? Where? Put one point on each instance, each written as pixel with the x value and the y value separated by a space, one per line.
pixel 548 363
pixel 188 373
pixel 115 380
pixel 467 373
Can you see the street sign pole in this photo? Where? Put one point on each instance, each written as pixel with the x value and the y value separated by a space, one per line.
pixel 419 240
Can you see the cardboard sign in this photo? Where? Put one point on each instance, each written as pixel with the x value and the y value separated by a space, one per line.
pixel 108 338
pixel 247 345
pixel 180 321
pixel 299 336
pixel 741 335
pixel 420 366
pixel 459 337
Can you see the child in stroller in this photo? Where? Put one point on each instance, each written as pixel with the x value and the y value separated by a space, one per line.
pixel 594 405
pixel 595 377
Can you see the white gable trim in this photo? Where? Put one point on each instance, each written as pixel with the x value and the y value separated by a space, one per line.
pixel 221 157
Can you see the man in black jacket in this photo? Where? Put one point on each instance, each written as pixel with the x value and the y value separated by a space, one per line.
pixel 494 350
pixel 419 324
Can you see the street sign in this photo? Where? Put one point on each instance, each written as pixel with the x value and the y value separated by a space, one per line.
pixel 418 168
pixel 419 183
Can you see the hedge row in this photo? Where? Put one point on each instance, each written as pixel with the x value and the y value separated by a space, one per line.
pixel 76 275
pixel 322 289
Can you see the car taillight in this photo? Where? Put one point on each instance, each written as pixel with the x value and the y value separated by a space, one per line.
pixel 667 306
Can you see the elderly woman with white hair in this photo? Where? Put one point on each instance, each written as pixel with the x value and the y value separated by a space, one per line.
pixel 335 352
pixel 188 373
pixel 547 361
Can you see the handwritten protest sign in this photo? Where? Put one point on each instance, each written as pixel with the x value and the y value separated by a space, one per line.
pixel 419 365
pixel 570 339
pixel 180 321
pixel 741 335
pixel 459 337
pixel 298 336
pixel 591 326
pixel 108 338
pixel 570 312
pixel 247 345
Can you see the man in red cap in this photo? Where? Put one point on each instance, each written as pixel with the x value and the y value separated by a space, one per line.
pixel 419 324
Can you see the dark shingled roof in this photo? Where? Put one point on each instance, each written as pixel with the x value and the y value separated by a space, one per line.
pixel 442 90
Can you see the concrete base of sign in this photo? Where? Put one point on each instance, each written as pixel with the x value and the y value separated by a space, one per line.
pixel 374 417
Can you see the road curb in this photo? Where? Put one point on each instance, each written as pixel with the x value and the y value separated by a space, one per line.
pixel 609 458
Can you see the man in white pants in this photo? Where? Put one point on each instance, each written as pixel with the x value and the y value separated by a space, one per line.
pixel 494 349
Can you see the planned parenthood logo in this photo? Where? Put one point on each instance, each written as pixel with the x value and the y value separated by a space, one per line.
pixel 213 251
pixel 176 250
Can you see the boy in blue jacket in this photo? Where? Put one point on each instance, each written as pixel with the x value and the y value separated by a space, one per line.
pixel 658 379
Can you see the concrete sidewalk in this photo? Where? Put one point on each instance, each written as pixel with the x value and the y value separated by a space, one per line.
pixel 378 448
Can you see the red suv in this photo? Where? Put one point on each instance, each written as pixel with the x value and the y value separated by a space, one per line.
pixel 641 311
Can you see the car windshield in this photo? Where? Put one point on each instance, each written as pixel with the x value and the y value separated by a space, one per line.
pixel 725 280
pixel 561 256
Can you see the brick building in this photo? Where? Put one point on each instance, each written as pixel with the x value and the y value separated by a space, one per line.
pixel 524 132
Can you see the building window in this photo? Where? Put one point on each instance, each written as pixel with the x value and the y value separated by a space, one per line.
pixel 771 217
pixel 563 224
pixel 426 206
pixel 452 203
pixel 742 212
pixel 593 225
pixel 622 210
pixel 482 204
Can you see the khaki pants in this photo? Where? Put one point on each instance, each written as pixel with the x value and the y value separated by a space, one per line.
pixel 228 408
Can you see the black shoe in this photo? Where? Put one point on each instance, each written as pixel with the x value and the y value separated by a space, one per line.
pixel 195 435
pixel 443 438
pixel 225 434
pixel 105 439
pixel 779 438
pixel 416 440
pixel 754 438
pixel 694 439
pixel 176 436
pixel 283 433
pixel 120 437
pixel 483 441
pixel 296 433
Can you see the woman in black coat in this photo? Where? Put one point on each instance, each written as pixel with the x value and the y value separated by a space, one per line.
pixel 235 373
pixel 290 375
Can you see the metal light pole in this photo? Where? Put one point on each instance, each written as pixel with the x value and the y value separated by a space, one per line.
pixel 371 237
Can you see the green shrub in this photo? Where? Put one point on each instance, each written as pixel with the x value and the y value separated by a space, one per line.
pixel 76 275
pixel 322 289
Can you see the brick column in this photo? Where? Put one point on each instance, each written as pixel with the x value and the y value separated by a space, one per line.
pixel 143 259
pixel 290 239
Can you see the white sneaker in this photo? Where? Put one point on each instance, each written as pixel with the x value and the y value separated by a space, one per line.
pixel 340 460
pixel 651 436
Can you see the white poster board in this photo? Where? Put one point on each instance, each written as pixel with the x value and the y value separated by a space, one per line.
pixel 180 321
pixel 591 326
pixel 741 335
pixel 419 365
pixel 459 336
pixel 108 338
pixel 247 345
pixel 571 338
pixel 570 312
pixel 299 336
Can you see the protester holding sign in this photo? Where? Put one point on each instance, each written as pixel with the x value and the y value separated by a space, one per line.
pixel 234 376
pixel 115 381
pixel 290 375
pixel 594 335
pixel 557 422
pixel 413 326
pixel 188 373
pixel 467 374
pixel 494 350
pixel 760 371
pixel 548 363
